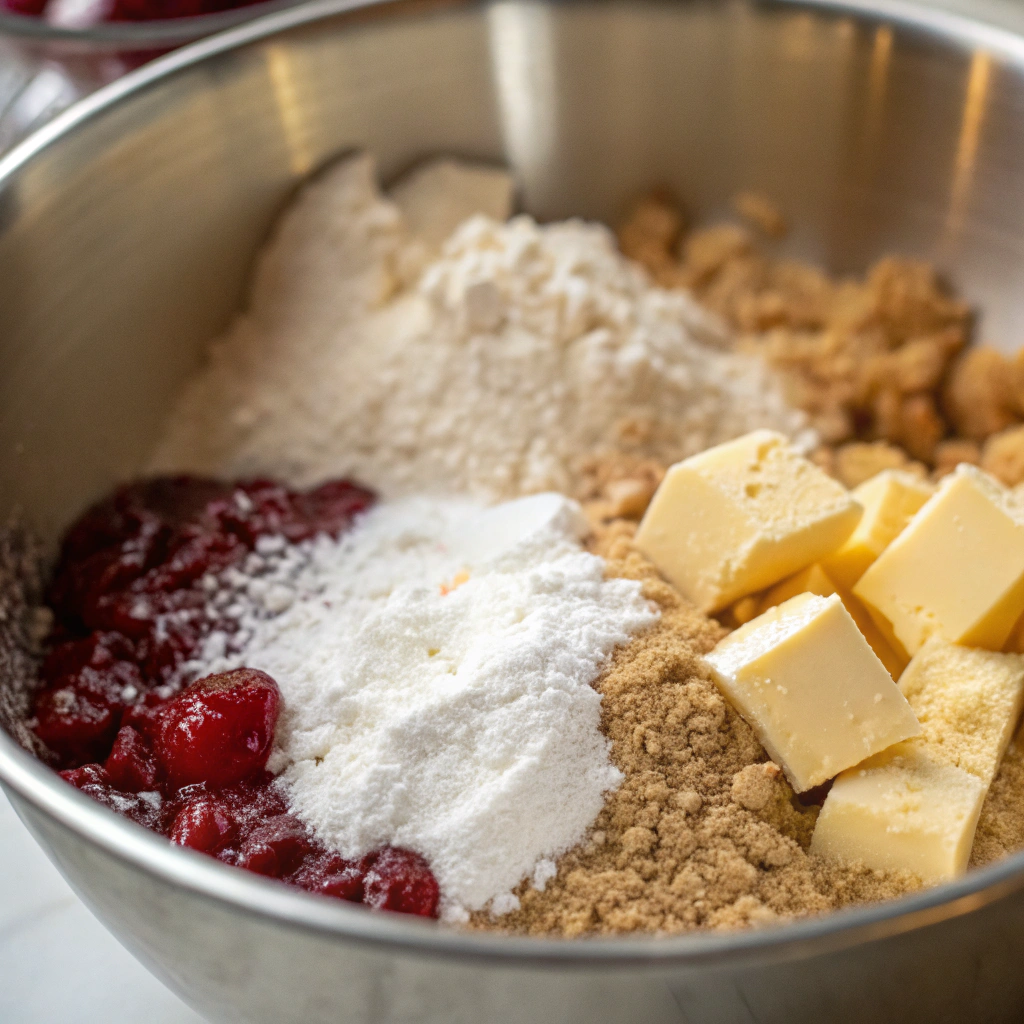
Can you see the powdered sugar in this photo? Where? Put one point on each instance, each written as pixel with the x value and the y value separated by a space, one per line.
pixel 435 664
pixel 495 367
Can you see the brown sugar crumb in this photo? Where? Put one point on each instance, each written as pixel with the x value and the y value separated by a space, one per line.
pixel 704 831
pixel 1001 825
pixel 880 358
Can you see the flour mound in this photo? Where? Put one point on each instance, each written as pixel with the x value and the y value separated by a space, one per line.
pixel 436 665
pixel 495 366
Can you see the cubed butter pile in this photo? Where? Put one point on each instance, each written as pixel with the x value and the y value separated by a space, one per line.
pixel 903 810
pixel 889 501
pixel 742 516
pixel 915 806
pixel 956 571
pixel 835 591
pixel 816 580
pixel 816 694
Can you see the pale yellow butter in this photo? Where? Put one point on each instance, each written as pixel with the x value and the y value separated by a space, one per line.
pixel 1015 641
pixel 815 580
pixel 739 517
pixel 806 680
pixel 915 807
pixel 968 702
pixel 889 499
pixel 904 809
pixel 812 580
pixel 957 571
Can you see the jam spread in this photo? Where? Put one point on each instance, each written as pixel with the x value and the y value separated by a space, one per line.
pixel 190 763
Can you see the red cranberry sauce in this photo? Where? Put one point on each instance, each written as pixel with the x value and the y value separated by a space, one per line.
pixel 132 10
pixel 191 763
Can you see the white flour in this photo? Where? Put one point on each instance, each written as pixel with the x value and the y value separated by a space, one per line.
pixel 461 725
pixel 493 368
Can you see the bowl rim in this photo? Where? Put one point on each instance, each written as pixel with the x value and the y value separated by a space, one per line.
pixel 38 790
pixel 121 36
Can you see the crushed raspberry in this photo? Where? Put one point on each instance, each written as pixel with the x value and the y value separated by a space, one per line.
pixel 73 724
pixel 128 596
pixel 400 880
pixel 191 763
pixel 332 875
pixel 204 823
pixel 144 808
pixel 276 847
pixel 219 731
pixel 131 764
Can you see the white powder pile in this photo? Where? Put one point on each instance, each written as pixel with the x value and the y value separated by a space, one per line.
pixel 494 367
pixel 450 715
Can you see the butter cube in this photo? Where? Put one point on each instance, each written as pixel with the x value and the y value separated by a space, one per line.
pixel 812 580
pixel 1015 641
pixel 957 571
pixel 738 518
pixel 812 689
pixel 904 809
pixel 890 499
pixel 815 580
pixel 916 805
pixel 968 702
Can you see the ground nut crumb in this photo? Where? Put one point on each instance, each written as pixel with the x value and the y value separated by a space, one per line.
pixel 618 486
pixel 704 831
pixel 1003 456
pixel 871 359
pixel 762 213
pixel 651 232
pixel 950 454
pixel 859 461
pixel 978 396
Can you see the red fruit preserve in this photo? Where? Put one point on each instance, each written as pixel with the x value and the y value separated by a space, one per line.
pixel 191 762
pixel 128 10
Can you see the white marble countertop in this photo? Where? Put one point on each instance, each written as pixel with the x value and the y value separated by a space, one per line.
pixel 47 934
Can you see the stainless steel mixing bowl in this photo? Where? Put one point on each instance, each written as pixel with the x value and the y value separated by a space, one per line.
pixel 126 231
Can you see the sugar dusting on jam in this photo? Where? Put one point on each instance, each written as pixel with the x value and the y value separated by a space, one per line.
pixel 190 762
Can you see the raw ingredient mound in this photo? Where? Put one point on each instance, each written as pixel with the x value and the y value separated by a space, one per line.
pixel 704 831
pixel 495 366
pixel 435 665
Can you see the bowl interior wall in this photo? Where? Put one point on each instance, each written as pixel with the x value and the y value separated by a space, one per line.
pixel 125 246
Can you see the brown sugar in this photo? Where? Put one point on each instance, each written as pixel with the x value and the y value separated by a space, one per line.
pixel 704 830
pixel 1001 825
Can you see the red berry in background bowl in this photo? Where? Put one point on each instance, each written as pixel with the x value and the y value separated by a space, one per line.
pixel 218 731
